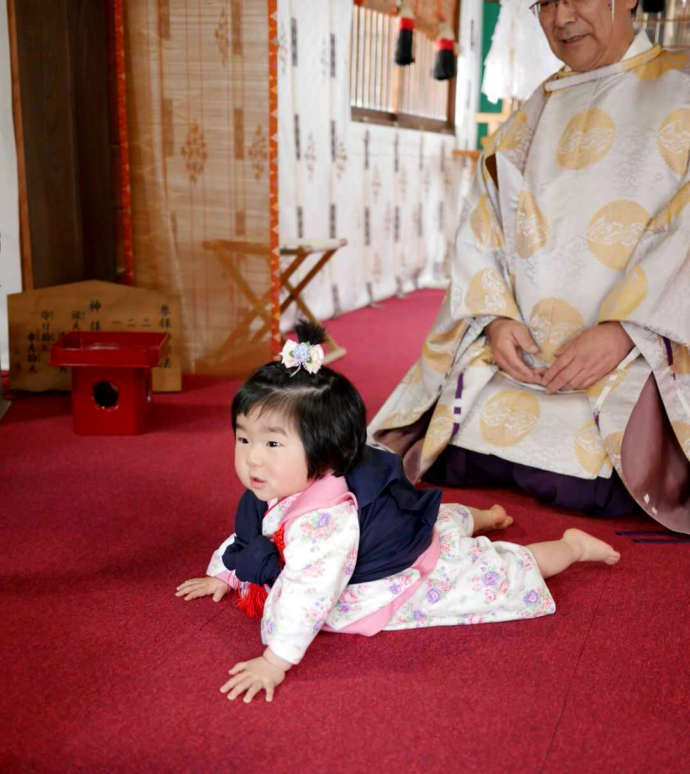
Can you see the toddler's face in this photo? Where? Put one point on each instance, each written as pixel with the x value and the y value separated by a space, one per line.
pixel 269 455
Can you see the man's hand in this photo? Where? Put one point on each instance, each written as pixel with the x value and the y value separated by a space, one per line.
pixel 202 587
pixel 588 357
pixel 508 338
pixel 267 672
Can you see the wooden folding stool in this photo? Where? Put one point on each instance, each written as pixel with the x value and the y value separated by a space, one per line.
pixel 260 305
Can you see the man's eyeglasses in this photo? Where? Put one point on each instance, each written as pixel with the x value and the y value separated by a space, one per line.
pixel 546 9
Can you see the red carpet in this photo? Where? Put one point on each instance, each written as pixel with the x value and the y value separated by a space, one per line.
pixel 106 671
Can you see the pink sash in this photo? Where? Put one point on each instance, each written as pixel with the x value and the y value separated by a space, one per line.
pixel 374 622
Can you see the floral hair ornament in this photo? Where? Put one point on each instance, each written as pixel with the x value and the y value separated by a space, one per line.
pixel 302 355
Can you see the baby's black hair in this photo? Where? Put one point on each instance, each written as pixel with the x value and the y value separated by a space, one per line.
pixel 326 408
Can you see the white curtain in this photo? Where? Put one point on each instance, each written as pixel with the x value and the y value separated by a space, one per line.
pixel 10 261
pixel 520 57
pixel 393 194
pixel 469 68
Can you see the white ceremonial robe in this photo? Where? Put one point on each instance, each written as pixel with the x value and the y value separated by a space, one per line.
pixel 578 215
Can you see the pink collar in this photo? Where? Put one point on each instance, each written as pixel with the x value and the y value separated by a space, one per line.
pixel 323 493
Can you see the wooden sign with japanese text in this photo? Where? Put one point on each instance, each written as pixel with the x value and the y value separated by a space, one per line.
pixel 37 319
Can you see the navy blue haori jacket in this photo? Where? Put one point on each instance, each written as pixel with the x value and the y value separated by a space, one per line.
pixel 396 523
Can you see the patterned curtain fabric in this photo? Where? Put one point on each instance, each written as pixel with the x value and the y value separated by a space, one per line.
pixel 393 194
pixel 200 147
pixel 426 12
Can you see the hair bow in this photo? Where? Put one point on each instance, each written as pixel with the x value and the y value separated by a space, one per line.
pixel 303 354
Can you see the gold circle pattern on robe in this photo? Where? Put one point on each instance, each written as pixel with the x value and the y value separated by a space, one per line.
pixel 681 359
pixel 439 349
pixel 530 226
pixel 673 140
pixel 662 220
pixel 615 230
pixel 611 380
pixel 667 60
pixel 508 136
pixel 487 293
pixel 622 301
pixel 589 449
pixel 480 354
pixel 552 322
pixel 586 139
pixel 485 227
pixel 514 133
pixel 682 431
pixel 438 432
pixel 414 374
pixel 613 443
pixel 508 416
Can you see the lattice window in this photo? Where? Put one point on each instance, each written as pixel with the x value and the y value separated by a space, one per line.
pixel 383 92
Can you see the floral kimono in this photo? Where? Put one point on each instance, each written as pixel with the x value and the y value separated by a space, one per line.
pixel 455 579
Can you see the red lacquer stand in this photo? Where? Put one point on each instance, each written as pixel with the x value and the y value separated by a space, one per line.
pixel 111 378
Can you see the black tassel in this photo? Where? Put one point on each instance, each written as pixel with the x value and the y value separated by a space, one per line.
pixel 444 61
pixel 403 48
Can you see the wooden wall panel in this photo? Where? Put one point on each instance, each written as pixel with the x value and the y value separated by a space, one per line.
pixel 62 78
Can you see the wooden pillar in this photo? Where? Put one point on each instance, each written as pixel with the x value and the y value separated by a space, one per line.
pixel 60 89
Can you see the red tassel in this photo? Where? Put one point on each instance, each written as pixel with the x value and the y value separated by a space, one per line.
pixel 252 597
pixel 279 540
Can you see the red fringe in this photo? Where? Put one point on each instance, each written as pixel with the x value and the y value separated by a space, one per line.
pixel 279 540
pixel 252 597
pixel 250 600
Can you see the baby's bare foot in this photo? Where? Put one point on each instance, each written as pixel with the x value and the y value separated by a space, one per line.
pixel 491 519
pixel 589 548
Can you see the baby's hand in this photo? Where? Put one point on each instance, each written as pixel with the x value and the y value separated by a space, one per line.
pixel 202 587
pixel 267 672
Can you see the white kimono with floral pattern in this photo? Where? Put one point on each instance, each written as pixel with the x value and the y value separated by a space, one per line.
pixel 473 580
